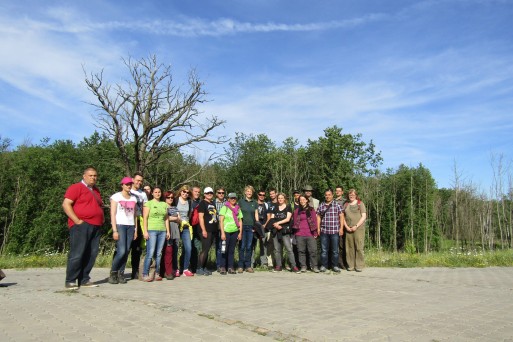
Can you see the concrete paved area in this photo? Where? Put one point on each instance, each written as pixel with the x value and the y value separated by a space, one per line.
pixel 379 304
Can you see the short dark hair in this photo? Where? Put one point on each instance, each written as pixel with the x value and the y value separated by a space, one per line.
pixel 339 186
pixel 138 174
pixel 272 189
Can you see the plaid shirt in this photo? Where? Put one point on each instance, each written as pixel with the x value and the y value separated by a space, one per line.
pixel 330 217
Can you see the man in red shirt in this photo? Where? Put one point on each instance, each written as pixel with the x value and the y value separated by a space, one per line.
pixel 84 207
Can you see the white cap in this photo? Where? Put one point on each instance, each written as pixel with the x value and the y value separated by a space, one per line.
pixel 208 189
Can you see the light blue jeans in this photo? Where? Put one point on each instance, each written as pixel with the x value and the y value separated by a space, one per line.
pixel 154 244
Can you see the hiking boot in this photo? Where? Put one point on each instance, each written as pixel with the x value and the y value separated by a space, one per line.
pixel 250 270
pixel 200 271
pixel 222 270
pixel 207 272
pixel 240 270
pixel 296 270
pixel 135 275
pixel 231 271
pixel 170 276
pixel 121 278
pixel 113 278
pixel 336 269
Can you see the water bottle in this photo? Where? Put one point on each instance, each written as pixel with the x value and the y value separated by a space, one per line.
pixel 223 246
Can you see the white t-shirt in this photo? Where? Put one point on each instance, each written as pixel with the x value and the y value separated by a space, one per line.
pixel 126 208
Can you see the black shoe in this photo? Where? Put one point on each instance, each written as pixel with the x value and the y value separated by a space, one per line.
pixel 113 278
pixel 135 275
pixel 89 284
pixel 71 286
pixel 169 276
pixel 121 278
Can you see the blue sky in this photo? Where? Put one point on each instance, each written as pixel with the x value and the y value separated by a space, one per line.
pixel 428 81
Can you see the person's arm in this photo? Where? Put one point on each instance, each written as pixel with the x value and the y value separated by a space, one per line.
pixel 221 227
pixel 240 230
pixel 201 216
pixel 67 205
pixel 256 215
pixel 146 213
pixel 168 231
pixel 361 221
pixel 318 224
pixel 342 219
pixel 113 210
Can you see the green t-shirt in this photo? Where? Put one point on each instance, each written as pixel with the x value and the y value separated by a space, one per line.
pixel 229 223
pixel 157 215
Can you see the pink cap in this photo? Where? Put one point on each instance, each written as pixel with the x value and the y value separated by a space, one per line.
pixel 127 180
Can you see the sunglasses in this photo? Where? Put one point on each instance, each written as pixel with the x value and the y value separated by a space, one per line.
pixel 220 192
pixel 170 197
pixel 209 193
pixel 185 192
pixel 261 194
pixel 233 198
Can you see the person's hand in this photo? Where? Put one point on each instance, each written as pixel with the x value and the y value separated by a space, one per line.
pixel 239 237
pixel 168 235
pixel 204 234
pixel 135 235
pixel 223 237
pixel 115 236
pixel 146 236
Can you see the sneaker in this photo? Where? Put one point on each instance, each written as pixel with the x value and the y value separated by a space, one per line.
pixel 135 275
pixel 200 272
pixel 219 269
pixel 188 273
pixel 277 269
pixel 316 270
pixel 222 270
pixel 89 284
pixel 296 270
pixel 71 286
pixel 147 279
pixel 158 277
pixel 231 271
pixel 250 270
pixel 323 269
pixel 207 272
pixel 336 269
pixel 170 276
pixel 121 278
pixel 240 270
pixel 303 269
pixel 177 273
pixel 288 268
pixel 357 270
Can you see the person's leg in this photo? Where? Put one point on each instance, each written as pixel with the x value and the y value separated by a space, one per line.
pixel 342 261
pixel 151 244
pixel 136 250
pixel 161 240
pixel 217 236
pixel 350 251
pixel 78 242
pixel 334 241
pixel 195 249
pixel 206 243
pixel 121 248
pixel 247 239
pixel 324 250
pixel 301 251
pixel 269 243
pixel 92 250
pixel 176 243
pixel 287 242
pixel 311 244
pixel 231 243
pixel 262 246
pixel 186 251
pixel 167 256
pixel 278 251
pixel 359 236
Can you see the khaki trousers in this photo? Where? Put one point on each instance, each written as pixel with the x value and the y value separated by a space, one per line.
pixel 354 249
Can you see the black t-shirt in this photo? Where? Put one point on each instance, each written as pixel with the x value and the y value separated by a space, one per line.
pixel 282 214
pixel 210 215
pixel 262 212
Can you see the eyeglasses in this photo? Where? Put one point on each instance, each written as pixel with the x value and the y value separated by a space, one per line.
pixel 261 194
pixel 220 192
pixel 170 197
pixel 209 193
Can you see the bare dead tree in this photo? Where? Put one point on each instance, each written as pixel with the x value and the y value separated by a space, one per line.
pixel 148 115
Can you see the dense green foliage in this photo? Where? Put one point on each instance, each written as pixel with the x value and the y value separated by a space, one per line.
pixel 406 211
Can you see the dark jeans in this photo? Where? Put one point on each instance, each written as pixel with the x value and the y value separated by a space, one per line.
pixel 327 241
pixel 245 247
pixel 195 248
pixel 126 236
pixel 206 243
pixel 218 248
pixel 84 241
pixel 305 243
pixel 228 256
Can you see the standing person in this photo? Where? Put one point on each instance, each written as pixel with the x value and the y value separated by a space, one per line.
pixel 84 207
pixel 184 206
pixel 305 226
pixel 249 207
pixel 295 196
pixel 314 202
pixel 263 216
pixel 355 214
pixel 170 252
pixel 138 243
pixel 281 216
pixel 122 218
pixel 230 223
pixel 339 198
pixel 156 231
pixel 330 225
pixel 219 202
pixel 196 230
pixel 273 202
pixel 147 191
pixel 209 228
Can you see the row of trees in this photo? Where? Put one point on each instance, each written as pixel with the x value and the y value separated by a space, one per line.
pixel 145 122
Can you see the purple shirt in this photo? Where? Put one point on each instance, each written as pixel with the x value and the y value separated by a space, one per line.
pixel 330 217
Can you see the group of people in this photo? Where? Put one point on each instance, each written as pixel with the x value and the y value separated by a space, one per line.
pixel 160 221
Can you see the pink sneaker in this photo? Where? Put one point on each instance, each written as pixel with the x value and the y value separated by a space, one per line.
pixel 188 273
pixel 177 273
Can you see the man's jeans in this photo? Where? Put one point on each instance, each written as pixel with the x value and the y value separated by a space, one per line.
pixel 245 247
pixel 326 241
pixel 154 243
pixel 84 240
pixel 126 236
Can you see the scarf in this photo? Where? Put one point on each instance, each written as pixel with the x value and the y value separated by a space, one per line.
pixel 235 212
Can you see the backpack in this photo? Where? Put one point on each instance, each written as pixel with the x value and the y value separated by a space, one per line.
pixel 346 204
pixel 195 216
